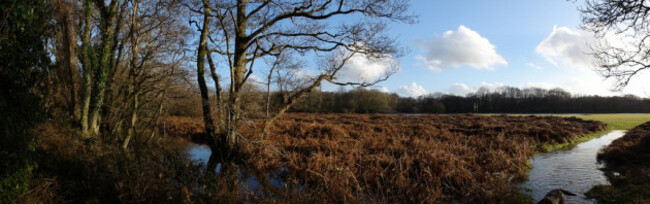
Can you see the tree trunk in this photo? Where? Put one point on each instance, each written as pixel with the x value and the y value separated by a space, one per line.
pixel 69 44
pixel 101 71
pixel 86 62
pixel 268 93
pixel 134 119
pixel 200 70
pixel 239 69
pixel 217 85
pixel 133 78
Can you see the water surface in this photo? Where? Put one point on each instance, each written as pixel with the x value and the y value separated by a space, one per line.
pixel 248 178
pixel 574 169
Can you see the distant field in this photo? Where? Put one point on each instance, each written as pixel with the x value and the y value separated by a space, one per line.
pixel 618 121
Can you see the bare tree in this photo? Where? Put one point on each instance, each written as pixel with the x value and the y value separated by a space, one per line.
pixel 130 51
pixel 624 60
pixel 156 41
pixel 244 31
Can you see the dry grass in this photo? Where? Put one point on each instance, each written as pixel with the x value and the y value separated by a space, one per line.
pixel 631 150
pixel 183 127
pixel 393 158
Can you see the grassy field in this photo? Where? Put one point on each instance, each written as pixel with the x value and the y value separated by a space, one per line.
pixel 618 121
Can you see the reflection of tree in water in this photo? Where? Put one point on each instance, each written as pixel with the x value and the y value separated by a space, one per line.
pixel 230 180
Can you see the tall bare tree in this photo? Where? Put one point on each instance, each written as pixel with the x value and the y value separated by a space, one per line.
pixel 130 51
pixel 156 42
pixel 246 30
pixel 630 18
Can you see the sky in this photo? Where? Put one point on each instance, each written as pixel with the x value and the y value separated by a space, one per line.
pixel 461 45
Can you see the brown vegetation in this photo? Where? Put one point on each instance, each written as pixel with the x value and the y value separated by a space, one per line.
pixel 397 158
pixel 627 166
pixel 70 169
pixel 631 150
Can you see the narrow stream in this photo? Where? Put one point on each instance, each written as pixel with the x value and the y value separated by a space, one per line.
pixel 574 169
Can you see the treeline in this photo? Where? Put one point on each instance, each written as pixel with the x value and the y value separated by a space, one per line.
pixel 501 100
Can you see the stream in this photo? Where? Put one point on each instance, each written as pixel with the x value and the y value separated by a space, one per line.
pixel 574 169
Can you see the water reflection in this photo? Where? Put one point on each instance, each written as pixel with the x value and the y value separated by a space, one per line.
pixel 248 181
pixel 575 169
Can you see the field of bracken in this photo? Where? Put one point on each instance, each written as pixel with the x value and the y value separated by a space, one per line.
pixel 401 158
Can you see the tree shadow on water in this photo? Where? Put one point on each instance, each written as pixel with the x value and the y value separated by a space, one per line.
pixel 228 179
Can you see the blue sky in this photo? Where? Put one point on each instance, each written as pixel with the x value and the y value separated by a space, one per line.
pixel 505 48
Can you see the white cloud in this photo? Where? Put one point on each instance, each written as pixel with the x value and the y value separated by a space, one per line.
pixel 461 47
pixel 460 89
pixel 413 90
pixel 362 69
pixel 534 66
pixel 567 47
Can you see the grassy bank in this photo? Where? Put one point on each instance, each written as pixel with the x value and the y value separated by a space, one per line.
pixel 549 147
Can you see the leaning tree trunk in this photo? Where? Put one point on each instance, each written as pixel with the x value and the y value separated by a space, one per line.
pixel 133 78
pixel 200 71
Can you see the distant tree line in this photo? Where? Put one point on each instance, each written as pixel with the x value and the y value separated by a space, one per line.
pixel 501 100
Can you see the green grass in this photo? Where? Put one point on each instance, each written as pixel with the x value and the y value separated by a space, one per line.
pixel 617 121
